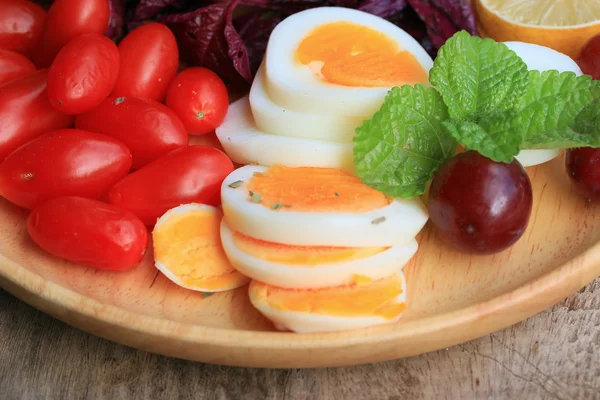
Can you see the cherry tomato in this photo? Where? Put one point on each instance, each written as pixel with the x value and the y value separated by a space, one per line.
pixel 26 113
pixel 66 20
pixel 589 60
pixel 67 162
pixel 149 61
pixel 14 65
pixel 148 128
pixel 89 232
pixel 189 175
pixel 583 168
pixel 83 73
pixel 21 24
pixel 200 99
pixel 478 205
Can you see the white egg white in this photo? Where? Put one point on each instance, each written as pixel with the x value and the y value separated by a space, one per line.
pixel 244 143
pixel 301 322
pixel 294 86
pixel 342 273
pixel 276 120
pixel 399 222
pixel 541 58
pixel 164 269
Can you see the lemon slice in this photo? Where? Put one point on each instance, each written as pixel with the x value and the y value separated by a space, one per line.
pixel 563 25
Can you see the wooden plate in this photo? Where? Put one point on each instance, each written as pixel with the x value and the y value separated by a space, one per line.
pixel 452 297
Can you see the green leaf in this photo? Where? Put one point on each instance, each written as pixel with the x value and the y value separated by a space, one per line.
pixel 398 150
pixel 495 137
pixel 587 122
pixel 478 77
pixel 552 102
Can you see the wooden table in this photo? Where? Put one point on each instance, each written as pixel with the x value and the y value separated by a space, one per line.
pixel 555 355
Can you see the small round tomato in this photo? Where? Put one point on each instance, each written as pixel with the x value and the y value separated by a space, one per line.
pixel 67 162
pixel 149 61
pixel 26 113
pixel 89 232
pixel 21 24
pixel 200 99
pixel 190 175
pixel 148 128
pixel 66 20
pixel 83 73
pixel 14 65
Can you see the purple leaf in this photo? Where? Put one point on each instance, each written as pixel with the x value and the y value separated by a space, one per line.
pixel 146 9
pixel 382 8
pixel 117 19
pixel 255 30
pixel 208 37
pixel 444 18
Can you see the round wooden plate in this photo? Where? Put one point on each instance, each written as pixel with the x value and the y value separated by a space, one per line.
pixel 452 297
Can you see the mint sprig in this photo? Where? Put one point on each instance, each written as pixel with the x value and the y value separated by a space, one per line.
pixel 398 150
pixel 485 100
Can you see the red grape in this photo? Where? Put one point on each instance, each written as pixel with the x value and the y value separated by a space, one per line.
pixel 589 61
pixel 478 205
pixel 583 167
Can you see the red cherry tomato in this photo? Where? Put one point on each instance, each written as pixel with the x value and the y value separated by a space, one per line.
pixel 26 113
pixel 21 24
pixel 83 73
pixel 67 162
pixel 148 128
pixel 66 20
pixel 89 232
pixel 589 61
pixel 14 65
pixel 149 61
pixel 200 99
pixel 190 175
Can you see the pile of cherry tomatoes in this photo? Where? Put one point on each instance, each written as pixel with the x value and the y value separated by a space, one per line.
pixel 94 136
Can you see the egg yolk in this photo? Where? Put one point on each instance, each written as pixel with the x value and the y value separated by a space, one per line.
pixel 313 189
pixel 189 245
pixel 301 255
pixel 349 54
pixel 376 299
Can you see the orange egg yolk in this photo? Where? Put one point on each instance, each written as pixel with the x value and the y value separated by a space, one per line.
pixel 349 54
pixel 314 189
pixel 301 255
pixel 189 245
pixel 378 298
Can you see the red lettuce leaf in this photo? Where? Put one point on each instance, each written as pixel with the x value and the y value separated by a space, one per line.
pixel 146 9
pixel 444 18
pixel 382 8
pixel 208 37
pixel 255 29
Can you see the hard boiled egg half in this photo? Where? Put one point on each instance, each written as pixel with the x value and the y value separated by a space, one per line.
pixel 308 206
pixel 542 59
pixel 325 71
pixel 188 250
pixel 332 309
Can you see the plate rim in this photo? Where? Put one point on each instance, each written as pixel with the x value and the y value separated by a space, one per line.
pixel 502 311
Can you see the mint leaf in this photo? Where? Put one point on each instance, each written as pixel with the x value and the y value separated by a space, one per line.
pixel 478 77
pixel 588 121
pixel 495 137
pixel 552 102
pixel 398 150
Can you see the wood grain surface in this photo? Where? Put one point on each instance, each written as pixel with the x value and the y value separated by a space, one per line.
pixel 554 355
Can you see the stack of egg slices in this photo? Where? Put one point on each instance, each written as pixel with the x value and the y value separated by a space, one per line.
pixel 325 71
pixel 325 251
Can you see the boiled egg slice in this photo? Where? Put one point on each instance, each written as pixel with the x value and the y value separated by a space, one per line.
pixel 244 143
pixel 339 61
pixel 276 120
pixel 305 267
pixel 188 251
pixel 308 206
pixel 332 309
pixel 542 59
